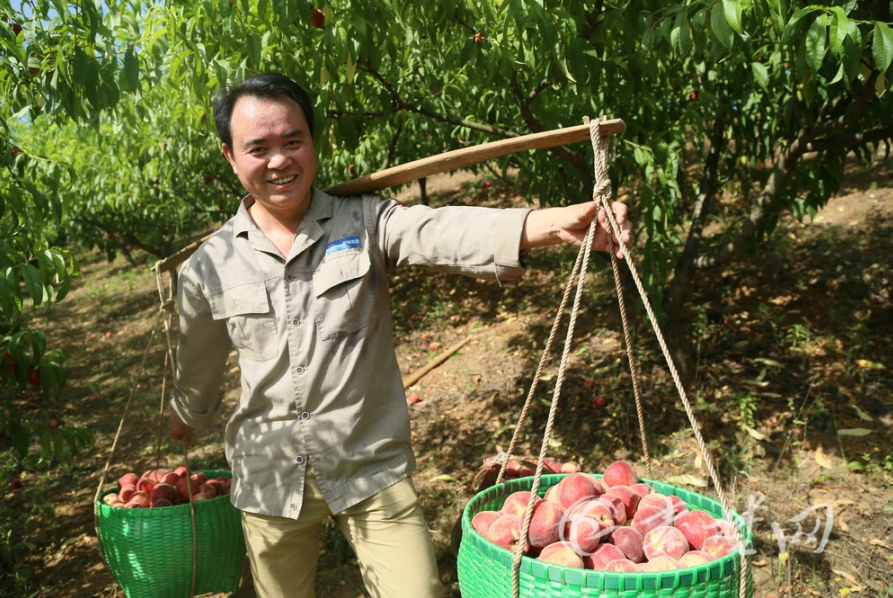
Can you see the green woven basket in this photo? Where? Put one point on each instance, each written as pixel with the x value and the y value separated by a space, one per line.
pixel 150 551
pixel 485 570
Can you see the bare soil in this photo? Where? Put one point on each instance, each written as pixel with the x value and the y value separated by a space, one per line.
pixel 793 339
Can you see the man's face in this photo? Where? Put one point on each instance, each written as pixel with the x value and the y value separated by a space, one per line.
pixel 272 153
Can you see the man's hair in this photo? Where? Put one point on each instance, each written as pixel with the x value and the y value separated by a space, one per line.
pixel 265 85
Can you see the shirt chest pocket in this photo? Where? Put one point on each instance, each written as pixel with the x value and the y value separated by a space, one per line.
pixel 249 319
pixel 347 295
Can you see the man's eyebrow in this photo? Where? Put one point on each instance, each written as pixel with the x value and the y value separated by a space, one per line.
pixel 261 140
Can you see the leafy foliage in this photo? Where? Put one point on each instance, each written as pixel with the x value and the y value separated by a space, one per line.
pixel 737 112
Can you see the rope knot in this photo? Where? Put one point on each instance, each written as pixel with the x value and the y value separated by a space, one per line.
pixel 168 306
pixel 602 189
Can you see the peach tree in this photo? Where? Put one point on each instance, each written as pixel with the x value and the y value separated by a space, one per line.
pixel 738 111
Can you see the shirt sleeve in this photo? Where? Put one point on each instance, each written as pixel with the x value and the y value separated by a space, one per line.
pixel 476 241
pixel 202 350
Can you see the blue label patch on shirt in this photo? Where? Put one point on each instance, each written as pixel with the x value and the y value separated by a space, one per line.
pixel 342 244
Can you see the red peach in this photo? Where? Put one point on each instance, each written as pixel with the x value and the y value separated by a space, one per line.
pixel 719 546
pixel 126 491
pixel 694 558
pixel 615 503
pixel 584 532
pixel 481 521
pixel 141 499
pixel 630 498
pixel 569 467
pixel 544 524
pixel 724 528
pixel 621 566
pixel 651 516
pixel 161 502
pixel 208 490
pixel 505 531
pixel 170 478
pixel 164 491
pixel 604 554
pixel 596 509
pixel 561 553
pixel 183 490
pixel 197 475
pixel 108 499
pixel 516 503
pixel 696 526
pixel 180 470
pixel 630 542
pixel 225 488
pixel 575 488
pixel 659 563
pixel 551 466
pixel 620 473
pixel 664 540
pixel 127 478
pixel 200 497
pixel 641 489
pixel 145 485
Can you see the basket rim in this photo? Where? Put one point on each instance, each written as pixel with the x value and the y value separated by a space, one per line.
pixel 103 510
pixel 604 579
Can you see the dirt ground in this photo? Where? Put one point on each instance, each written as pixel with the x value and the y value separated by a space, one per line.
pixel 794 340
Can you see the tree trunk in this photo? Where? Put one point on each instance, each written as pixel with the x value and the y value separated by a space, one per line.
pixel 674 322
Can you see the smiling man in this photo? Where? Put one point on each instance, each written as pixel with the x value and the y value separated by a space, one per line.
pixel 296 282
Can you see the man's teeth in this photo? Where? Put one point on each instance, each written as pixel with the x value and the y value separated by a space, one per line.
pixel 283 181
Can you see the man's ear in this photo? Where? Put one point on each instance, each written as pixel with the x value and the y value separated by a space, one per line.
pixel 228 154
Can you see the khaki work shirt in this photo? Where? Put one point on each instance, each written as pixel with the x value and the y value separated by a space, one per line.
pixel 320 379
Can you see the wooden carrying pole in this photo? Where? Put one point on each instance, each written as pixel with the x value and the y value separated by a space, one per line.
pixel 444 162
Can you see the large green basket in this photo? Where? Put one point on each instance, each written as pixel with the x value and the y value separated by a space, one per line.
pixel 150 551
pixel 485 570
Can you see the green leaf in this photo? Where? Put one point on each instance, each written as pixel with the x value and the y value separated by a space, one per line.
pixel 816 43
pixel 687 480
pixel 755 433
pixel 840 26
pixel 680 35
pixel 862 415
pixel 130 73
pixel 760 75
pixel 33 283
pixel 721 29
pixel 732 10
pixel 882 46
pixel 854 432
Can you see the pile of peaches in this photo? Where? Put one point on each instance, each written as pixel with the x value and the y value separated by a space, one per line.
pixel 613 523
pixel 163 488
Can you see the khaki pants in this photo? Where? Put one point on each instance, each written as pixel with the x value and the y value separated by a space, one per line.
pixel 387 532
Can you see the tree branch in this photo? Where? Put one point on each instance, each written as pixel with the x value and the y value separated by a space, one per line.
pixel 574 159
pixel 685 265
pixel 781 171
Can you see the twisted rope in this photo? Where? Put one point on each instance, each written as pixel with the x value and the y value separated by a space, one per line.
pixel 696 428
pixel 600 168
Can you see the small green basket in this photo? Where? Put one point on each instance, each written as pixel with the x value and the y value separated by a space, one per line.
pixel 485 570
pixel 150 551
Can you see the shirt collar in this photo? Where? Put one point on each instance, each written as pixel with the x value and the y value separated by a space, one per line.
pixel 320 209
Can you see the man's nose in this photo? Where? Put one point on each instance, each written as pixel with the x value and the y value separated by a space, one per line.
pixel 278 160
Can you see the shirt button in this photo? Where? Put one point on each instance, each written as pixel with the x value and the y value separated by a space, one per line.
pixel 305 415
pixel 299 370
pixel 299 459
pixel 293 506
pixel 289 278
pixel 295 322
